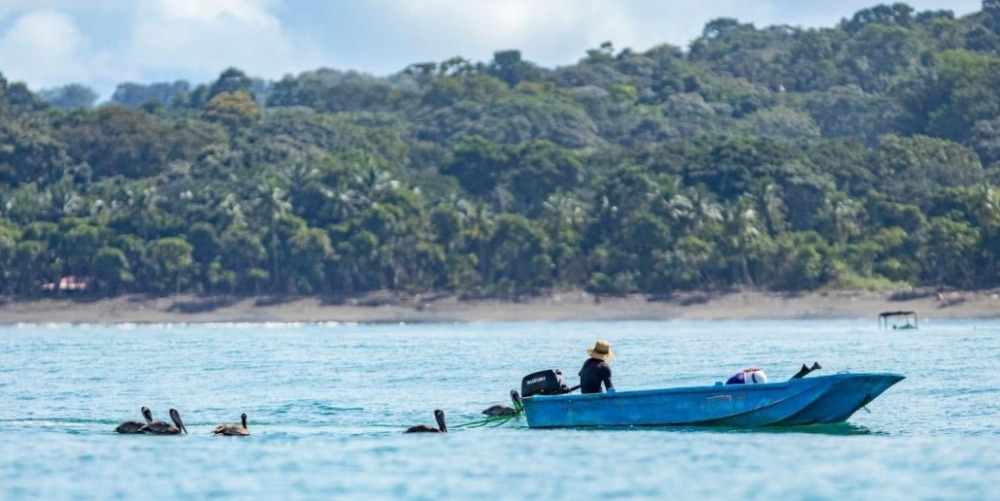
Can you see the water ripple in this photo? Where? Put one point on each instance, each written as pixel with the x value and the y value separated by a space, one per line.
pixel 328 403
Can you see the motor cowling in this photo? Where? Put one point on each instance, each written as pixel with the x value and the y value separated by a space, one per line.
pixel 547 382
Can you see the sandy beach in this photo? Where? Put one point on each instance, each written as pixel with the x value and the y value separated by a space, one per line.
pixel 566 306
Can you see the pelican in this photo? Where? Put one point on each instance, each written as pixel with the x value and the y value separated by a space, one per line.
pixel 423 428
pixel 161 428
pixel 499 410
pixel 135 426
pixel 232 429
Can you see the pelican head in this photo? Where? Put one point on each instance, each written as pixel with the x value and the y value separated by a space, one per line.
pixel 132 427
pixel 176 418
pixel 230 429
pixel 161 428
pixel 423 428
pixel 439 417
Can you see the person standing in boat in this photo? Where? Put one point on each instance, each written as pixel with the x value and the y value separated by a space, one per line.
pixel 596 369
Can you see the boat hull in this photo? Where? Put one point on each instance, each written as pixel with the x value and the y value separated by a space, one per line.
pixel 813 400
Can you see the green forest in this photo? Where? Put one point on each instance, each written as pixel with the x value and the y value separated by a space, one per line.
pixel 860 156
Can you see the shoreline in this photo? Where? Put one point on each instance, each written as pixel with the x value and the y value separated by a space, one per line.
pixel 384 307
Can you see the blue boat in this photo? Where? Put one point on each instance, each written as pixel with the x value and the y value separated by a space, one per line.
pixel 813 400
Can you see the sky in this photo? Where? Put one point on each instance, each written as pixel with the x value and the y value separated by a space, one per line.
pixel 101 43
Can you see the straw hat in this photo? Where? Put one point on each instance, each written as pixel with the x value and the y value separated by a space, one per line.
pixel 601 351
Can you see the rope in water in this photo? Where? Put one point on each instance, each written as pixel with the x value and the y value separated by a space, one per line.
pixel 492 421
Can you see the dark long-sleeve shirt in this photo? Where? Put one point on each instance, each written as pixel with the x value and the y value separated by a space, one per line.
pixel 593 373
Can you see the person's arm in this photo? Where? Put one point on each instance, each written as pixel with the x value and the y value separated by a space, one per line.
pixel 607 381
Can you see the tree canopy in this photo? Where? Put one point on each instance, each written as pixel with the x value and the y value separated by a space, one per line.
pixel 866 154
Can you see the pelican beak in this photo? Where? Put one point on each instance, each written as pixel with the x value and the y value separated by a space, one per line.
pixel 176 416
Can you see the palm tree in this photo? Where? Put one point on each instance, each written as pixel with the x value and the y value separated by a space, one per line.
pixel 741 224
pixel 846 215
pixel 270 205
pixel 144 210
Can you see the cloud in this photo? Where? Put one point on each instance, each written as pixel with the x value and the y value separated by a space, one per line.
pixel 145 41
pixel 200 38
pixel 105 42
pixel 477 28
pixel 558 32
pixel 43 47
pixel 385 35
pixel 388 35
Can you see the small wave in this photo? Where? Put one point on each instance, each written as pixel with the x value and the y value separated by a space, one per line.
pixel 53 422
pixel 312 408
pixel 45 325
pixel 174 325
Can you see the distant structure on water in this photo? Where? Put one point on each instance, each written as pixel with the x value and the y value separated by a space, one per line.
pixel 908 317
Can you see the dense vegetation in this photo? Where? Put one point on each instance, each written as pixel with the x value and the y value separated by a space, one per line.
pixel 864 155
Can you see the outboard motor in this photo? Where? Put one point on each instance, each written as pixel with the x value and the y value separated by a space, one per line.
pixel 548 382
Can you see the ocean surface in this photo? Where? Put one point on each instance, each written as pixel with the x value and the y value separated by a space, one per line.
pixel 327 405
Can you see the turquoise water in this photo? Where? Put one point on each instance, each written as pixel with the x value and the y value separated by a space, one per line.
pixel 327 405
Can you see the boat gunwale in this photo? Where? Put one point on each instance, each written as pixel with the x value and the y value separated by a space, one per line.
pixel 778 393
pixel 723 388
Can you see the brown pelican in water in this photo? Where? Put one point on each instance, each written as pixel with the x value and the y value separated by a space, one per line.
pixel 423 428
pixel 499 410
pixel 136 426
pixel 161 428
pixel 232 429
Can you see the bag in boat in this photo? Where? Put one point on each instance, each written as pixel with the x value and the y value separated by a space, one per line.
pixel 748 376
pixel 548 382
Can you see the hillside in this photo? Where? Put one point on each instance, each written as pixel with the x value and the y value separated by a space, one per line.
pixel 860 156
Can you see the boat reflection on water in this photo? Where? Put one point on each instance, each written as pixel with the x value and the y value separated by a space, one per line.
pixel 834 429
